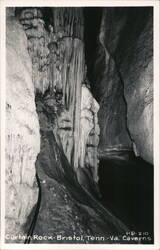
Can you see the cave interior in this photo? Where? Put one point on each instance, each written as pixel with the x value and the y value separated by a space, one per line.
pixel 112 40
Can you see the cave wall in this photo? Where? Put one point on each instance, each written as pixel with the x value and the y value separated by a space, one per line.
pixel 66 207
pixel 50 73
pixel 114 137
pixel 126 41
pixel 22 130
pixel 56 46
pixel 51 110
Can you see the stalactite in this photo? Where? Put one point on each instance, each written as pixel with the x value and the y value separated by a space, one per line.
pixel 58 60
pixel 89 131
pixel 72 76
pixel 68 22
pixel 67 65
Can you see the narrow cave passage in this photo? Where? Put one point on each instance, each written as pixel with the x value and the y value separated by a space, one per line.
pixel 92 23
pixel 126 184
pixel 93 119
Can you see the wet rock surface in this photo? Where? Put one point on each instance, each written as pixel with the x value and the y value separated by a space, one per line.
pixel 62 212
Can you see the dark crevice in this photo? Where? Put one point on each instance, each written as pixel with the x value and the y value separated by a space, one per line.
pixel 127 189
pixel 92 22
pixel 34 214
pixel 125 181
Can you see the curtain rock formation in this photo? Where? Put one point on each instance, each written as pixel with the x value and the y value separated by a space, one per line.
pixel 55 123
pixel 59 68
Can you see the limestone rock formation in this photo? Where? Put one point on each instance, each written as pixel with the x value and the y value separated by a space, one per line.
pixel 139 97
pixel 33 24
pixel 129 48
pixel 114 136
pixel 69 132
pixel 66 209
pixel 68 22
pixel 59 69
pixel 22 130
pixel 55 124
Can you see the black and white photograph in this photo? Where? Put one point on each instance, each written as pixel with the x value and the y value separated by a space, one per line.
pixel 80 145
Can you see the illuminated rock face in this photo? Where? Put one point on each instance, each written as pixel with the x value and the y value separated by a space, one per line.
pixel 33 24
pixel 89 131
pixel 22 131
pixel 54 78
pixel 69 83
pixel 59 67
pixel 139 97
pixel 69 133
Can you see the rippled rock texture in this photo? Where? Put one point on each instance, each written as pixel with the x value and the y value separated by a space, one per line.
pixel 22 131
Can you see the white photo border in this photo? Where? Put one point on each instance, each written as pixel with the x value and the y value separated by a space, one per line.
pixel 81 3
